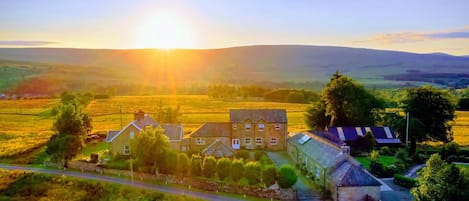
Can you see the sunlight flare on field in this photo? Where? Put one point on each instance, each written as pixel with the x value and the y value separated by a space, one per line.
pixel 165 31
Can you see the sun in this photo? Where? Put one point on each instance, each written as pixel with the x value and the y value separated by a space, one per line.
pixel 165 31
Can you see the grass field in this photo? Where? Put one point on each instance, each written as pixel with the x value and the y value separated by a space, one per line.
pixel 26 124
pixel 385 160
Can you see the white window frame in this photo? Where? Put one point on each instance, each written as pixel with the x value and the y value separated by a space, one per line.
pixel 261 127
pixel 248 126
pixel 132 135
pixel 235 126
pixel 277 126
pixel 199 141
pixel 273 141
pixel 126 149
pixel 246 140
pixel 259 141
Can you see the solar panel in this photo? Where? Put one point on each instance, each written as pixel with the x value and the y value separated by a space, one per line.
pixel 304 139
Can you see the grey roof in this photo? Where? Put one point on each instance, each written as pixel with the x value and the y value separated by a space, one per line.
pixel 111 134
pixel 268 115
pixel 218 149
pixel 146 121
pixel 213 129
pixel 350 173
pixel 173 131
pixel 326 153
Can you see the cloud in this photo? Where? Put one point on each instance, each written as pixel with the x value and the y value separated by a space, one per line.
pixel 25 43
pixel 412 37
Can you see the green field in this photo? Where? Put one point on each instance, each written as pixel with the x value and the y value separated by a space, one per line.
pixel 385 160
pixel 25 124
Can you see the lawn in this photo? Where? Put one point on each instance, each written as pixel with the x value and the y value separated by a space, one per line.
pixel 385 160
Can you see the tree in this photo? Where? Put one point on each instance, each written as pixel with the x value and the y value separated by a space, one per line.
pixel 209 166
pixel 440 181
pixel 237 170
pixel 183 164
pixel 150 139
pixel 287 176
pixel 196 165
pixel 252 172
pixel 434 110
pixel 344 103
pixel 370 142
pixel 70 129
pixel 223 168
pixel 269 175
pixel 170 164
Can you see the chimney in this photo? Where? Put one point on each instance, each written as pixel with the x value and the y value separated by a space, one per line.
pixel 139 115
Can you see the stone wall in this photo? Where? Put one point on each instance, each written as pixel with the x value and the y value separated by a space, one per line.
pixel 199 183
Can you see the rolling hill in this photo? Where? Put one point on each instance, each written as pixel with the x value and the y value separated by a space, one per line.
pixel 248 64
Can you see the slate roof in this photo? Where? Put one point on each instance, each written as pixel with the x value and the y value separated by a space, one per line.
pixel 268 115
pixel 326 153
pixel 111 134
pixel 328 136
pixel 173 131
pixel 218 149
pixel 381 134
pixel 213 129
pixel 146 121
pixel 350 173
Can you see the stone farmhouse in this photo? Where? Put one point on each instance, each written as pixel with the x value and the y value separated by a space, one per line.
pixel 120 139
pixel 264 129
pixel 330 166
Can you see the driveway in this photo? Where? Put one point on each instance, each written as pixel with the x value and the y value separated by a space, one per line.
pixel 145 185
pixel 303 186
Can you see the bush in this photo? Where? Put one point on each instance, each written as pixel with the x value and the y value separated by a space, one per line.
pixel 223 168
pixel 287 176
pixel 376 168
pixel 252 171
pixel 269 175
pixel 402 155
pixel 169 162
pixel 265 160
pixel 243 154
pixel 209 166
pixel 404 181
pixel 196 165
pixel 374 155
pixel 183 164
pixel 237 170
pixel 386 151
pixel 451 148
pixel 419 158
pixel 258 155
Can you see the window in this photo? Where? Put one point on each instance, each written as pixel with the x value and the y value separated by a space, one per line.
pixel 273 140
pixel 235 126
pixel 132 134
pixel 199 141
pixel 277 126
pixel 126 149
pixel 247 141
pixel 259 140
pixel 247 126
pixel 261 127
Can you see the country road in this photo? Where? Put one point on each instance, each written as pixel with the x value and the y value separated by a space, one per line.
pixel 105 178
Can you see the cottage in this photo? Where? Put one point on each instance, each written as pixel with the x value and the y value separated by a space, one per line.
pixel 328 164
pixel 119 139
pixel 385 136
pixel 247 129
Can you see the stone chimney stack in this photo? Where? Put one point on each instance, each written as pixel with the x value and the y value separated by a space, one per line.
pixel 139 115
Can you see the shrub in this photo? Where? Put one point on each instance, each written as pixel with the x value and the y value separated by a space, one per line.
pixel 402 180
pixel 196 165
pixel 376 168
pixel 386 151
pixel 252 171
pixel 265 160
pixel 223 168
pixel 169 162
pixel 402 155
pixel 451 148
pixel 243 154
pixel 209 166
pixel 374 155
pixel 287 176
pixel 183 164
pixel 419 158
pixel 269 175
pixel 258 155
pixel 237 170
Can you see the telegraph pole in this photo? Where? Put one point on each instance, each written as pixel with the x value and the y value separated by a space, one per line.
pixel 407 130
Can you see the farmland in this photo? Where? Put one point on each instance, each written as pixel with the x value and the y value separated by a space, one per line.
pixel 25 124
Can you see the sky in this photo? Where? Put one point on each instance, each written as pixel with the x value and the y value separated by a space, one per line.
pixel 404 25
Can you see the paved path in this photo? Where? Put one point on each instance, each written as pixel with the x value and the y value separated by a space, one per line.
pixel 165 189
pixel 305 190
pixel 412 172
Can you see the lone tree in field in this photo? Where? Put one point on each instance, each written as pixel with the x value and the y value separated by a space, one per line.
pixel 71 126
pixel 433 110
pixel 148 147
pixel 343 103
